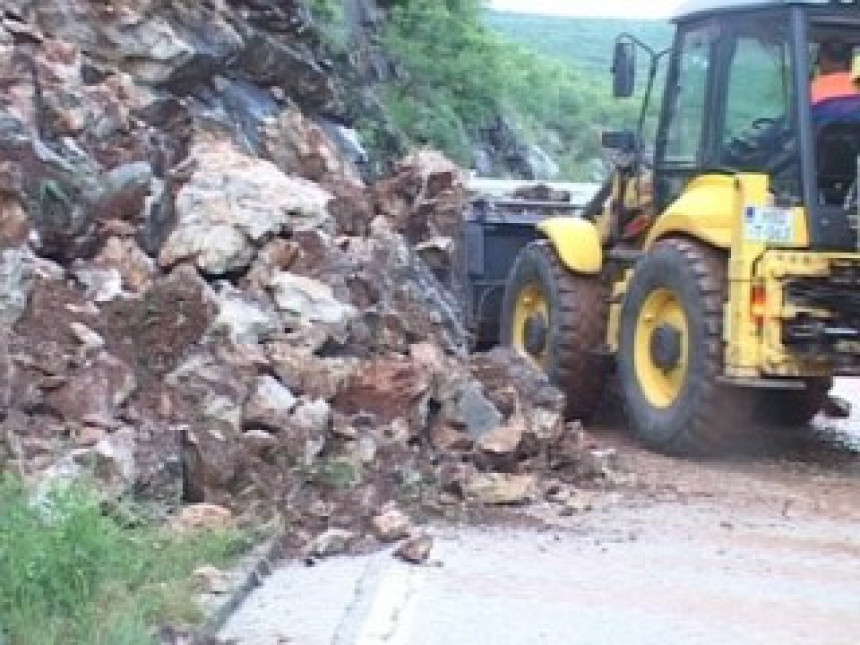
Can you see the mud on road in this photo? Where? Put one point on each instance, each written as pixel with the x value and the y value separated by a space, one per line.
pixel 809 472
pixel 762 548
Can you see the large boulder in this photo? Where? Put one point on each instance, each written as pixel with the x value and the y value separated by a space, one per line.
pixel 233 202
pixel 98 390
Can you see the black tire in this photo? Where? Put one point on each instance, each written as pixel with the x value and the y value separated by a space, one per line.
pixel 794 407
pixel 706 416
pixel 577 325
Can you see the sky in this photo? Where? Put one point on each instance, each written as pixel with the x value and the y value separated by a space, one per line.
pixel 591 8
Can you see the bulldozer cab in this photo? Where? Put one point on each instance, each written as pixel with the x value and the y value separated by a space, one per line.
pixel 739 99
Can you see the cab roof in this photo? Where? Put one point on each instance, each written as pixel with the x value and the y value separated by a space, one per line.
pixel 692 8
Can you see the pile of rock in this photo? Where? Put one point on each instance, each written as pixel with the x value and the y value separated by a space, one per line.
pixel 200 301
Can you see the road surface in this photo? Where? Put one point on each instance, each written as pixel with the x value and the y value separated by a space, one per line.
pixel 757 550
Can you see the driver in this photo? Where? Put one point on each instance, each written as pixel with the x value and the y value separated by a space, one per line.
pixel 835 79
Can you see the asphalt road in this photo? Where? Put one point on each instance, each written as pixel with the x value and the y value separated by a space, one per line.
pixel 760 550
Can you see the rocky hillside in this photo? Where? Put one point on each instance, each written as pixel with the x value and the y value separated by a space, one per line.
pixel 202 301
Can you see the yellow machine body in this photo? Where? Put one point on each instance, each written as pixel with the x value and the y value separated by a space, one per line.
pixel 714 209
pixel 577 243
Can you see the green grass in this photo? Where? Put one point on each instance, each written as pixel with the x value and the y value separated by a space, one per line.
pixel 71 574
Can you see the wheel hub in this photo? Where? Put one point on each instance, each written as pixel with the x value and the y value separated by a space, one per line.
pixel 535 334
pixel 661 347
pixel 666 347
pixel 530 333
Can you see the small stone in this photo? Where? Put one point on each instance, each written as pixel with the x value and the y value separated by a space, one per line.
pixel 330 542
pixel 211 580
pixel 391 525
pixel 428 355
pixel 88 436
pixel 313 415
pixel 269 405
pixel 447 438
pixel 505 439
pixel 387 388
pixel 196 517
pixel 14 223
pixel 399 430
pixel 342 427
pixel 16 282
pixel 366 449
pixel 598 462
pixel 321 509
pixel 574 502
pixel 477 413
pixel 124 255
pixel 415 550
pixel 90 340
pixel 500 489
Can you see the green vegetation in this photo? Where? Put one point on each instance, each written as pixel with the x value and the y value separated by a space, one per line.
pixel 458 76
pixel 70 574
pixel 584 43
pixel 329 16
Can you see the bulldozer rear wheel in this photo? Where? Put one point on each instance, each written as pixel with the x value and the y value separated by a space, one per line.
pixel 557 320
pixel 671 352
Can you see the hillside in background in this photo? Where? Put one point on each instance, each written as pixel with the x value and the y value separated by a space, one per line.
pixel 585 42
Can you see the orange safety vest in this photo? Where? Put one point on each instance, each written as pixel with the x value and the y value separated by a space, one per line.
pixel 832 86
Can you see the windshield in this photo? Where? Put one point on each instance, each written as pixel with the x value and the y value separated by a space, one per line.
pixel 757 131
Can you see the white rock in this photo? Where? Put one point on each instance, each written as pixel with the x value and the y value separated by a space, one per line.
pixel 103 285
pixel 211 580
pixel 244 320
pixel 391 524
pixel 216 249
pixel 269 405
pixel 16 279
pixel 312 415
pixel 232 202
pixel 308 300
pixel 330 542
pixel 91 340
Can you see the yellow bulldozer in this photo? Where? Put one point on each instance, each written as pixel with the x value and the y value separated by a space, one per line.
pixel 718 271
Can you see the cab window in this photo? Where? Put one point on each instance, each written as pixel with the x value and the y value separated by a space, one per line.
pixel 686 110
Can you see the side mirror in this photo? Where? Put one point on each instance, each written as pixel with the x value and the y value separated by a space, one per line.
pixel 623 69
pixel 618 140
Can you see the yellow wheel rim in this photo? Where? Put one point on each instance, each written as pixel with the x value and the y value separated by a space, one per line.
pixel 531 325
pixel 661 370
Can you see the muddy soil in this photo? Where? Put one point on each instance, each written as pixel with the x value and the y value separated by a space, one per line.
pixel 811 472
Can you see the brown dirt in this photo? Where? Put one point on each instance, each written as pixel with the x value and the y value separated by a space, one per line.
pixel 810 472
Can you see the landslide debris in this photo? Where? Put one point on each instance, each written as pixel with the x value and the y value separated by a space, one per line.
pixel 202 304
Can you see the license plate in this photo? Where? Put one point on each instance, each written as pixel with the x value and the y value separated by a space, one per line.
pixel 769 224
